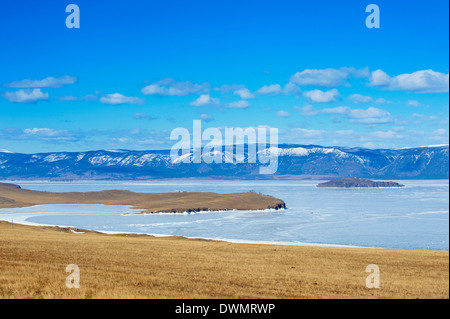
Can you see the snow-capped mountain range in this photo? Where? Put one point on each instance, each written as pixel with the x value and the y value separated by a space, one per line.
pixel 294 161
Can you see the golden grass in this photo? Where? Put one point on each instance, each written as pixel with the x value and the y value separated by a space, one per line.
pixel 33 261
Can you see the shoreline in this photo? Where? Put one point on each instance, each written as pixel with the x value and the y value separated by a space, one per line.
pixel 23 222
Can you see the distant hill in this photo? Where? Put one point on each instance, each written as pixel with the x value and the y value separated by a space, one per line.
pixel 354 182
pixel 295 161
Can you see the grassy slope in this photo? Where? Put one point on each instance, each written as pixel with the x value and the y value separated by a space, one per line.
pixel 33 262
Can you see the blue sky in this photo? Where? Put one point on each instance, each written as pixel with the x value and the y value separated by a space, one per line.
pixel 135 70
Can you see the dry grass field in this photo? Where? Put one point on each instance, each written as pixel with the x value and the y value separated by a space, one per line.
pixel 33 261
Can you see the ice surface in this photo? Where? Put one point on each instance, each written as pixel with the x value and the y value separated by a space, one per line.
pixel 413 217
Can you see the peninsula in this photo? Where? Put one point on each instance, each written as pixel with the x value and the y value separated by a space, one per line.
pixel 354 182
pixel 178 202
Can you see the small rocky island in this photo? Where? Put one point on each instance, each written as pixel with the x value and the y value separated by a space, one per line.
pixel 354 182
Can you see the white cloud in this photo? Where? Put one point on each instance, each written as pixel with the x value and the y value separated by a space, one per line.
pixel 440 132
pixel 413 103
pixel 26 96
pixel 89 98
pixel 342 110
pixel 41 131
pixel 170 87
pixel 273 89
pixel 206 117
pixel 364 99
pixel 238 105
pixel 67 98
pixel 387 135
pixel 309 110
pixel 118 99
pixel 291 89
pixel 327 77
pixel 318 96
pixel 283 114
pixel 270 89
pixel 48 82
pixel 226 88
pixel 425 81
pixel 358 98
pixel 372 115
pixel 345 132
pixel 380 100
pixel 379 78
pixel 204 100
pixel 48 134
pixel 244 93
pixel 308 133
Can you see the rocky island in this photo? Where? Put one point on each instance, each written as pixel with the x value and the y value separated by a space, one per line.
pixel 178 202
pixel 354 182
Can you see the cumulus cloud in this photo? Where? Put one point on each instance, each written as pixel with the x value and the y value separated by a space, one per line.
pixel 206 117
pixel 170 87
pixel 273 89
pixel 358 98
pixel 318 96
pixel 328 77
pixel 387 135
pixel 118 99
pixel 87 98
pixel 291 89
pixel 26 96
pixel 425 81
pixel 371 115
pixel 413 103
pixel 48 82
pixel 363 99
pixel 440 133
pixel 244 93
pixel 205 100
pixel 308 133
pixel 242 104
pixel 66 98
pixel 227 88
pixel 46 134
pixel 309 110
pixel 270 89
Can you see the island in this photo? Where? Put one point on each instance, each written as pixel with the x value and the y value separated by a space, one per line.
pixel 176 202
pixel 354 182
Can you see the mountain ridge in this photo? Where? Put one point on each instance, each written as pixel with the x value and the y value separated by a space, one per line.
pixel 294 161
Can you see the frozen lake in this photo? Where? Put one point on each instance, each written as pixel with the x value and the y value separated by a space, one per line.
pixel 413 217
